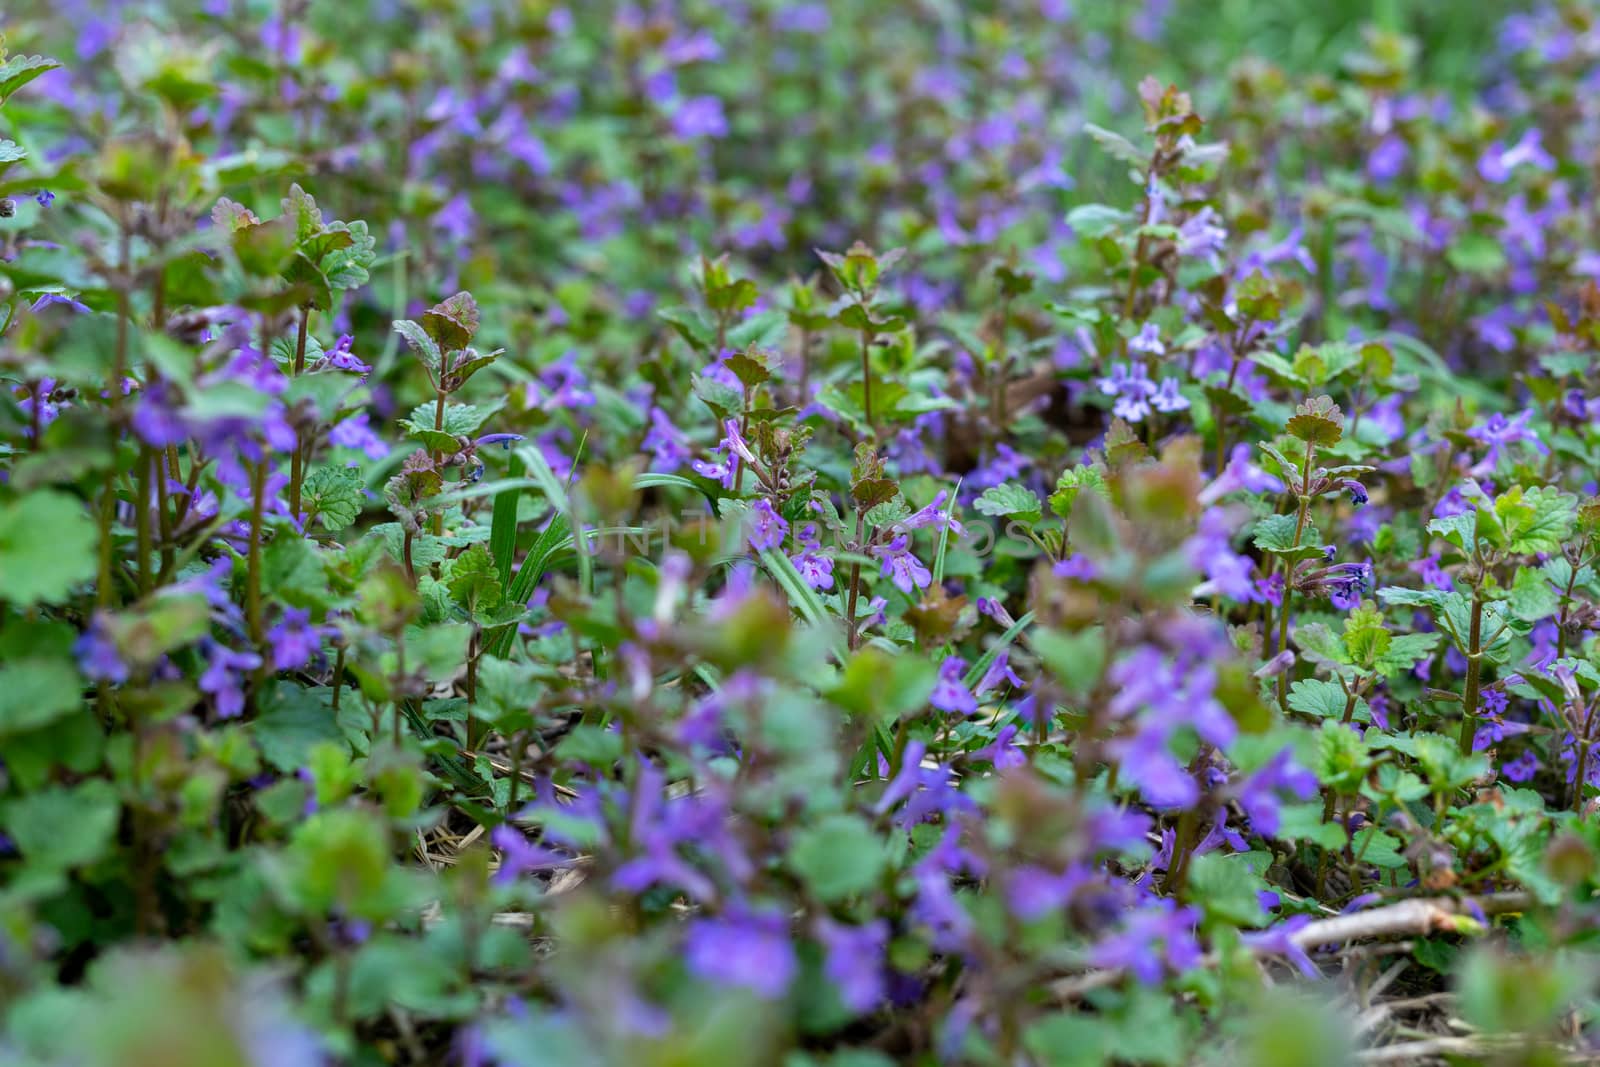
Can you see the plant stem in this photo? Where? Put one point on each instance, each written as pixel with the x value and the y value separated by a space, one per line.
pixel 438 424
pixel 258 507
pixel 866 380
pixel 296 460
pixel 1469 702
pixel 338 679
pixel 1288 565
pixel 119 369
pixel 851 635
pixel 141 515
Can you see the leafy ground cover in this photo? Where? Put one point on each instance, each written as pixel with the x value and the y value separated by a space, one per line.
pixel 794 533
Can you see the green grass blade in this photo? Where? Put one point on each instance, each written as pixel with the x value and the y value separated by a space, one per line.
pixel 503 525
pixel 976 672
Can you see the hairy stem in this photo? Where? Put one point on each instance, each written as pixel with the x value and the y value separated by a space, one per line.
pixel 1469 701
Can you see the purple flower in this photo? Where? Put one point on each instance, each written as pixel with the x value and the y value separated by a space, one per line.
pixel 97 653
pixel 1521 769
pixel 927 790
pixel 743 949
pixel 668 444
pixel 999 671
pixel 1167 398
pixel 767 527
pixel 1429 570
pixel 44 197
pixel 1202 234
pixel 815 567
pixel 950 693
pixel 1498 161
pixel 901 567
pixel 1153 940
pixel 225 676
pixel 341 358
pixel 356 432
pixel 1387 159
pixel 1210 551
pixel 1258 795
pixel 293 640
pixel 1147 341
pixel 1498 432
pixel 1003 751
pixel 1279 941
pixel 934 515
pixel 518 855
pixel 699 116
pixel 854 961
pixel 1240 475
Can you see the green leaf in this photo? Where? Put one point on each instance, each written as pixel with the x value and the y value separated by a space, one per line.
pixel 65 826
pixel 19 70
pixel 1532 597
pixel 334 496
pixel 1538 519
pixel 293 721
pixel 1459 530
pixel 1076 659
pixel 1317 421
pixel 1073 481
pixel 475 581
pixel 1116 145
pixel 1342 759
pixel 1226 888
pixel 765 329
pixel 838 857
pixel 1365 637
pixel 1320 644
pixel 1096 220
pixel 453 321
pixel 420 342
pixel 1303 822
pixel 1325 700
pixel 1013 500
pixel 459 420
pixel 1476 253
pixel 1405 652
pixel 1275 534
pixel 36 691
pixel 47 546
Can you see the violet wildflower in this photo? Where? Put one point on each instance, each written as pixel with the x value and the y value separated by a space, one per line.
pixel 1147 341
pixel 1280 941
pixel 1132 387
pixel 1499 162
pixel 1153 940
pixel 666 443
pixel 999 671
pixel 744 949
pixel 520 856
pixel 950 692
pixel 1499 432
pixel 225 677
pixel 767 527
pixel 854 961
pixel 1210 551
pixel 1259 793
pixel 814 565
pixel 341 358
pixel 293 640
pixel 1522 768
pixel 902 567
pixel 97 653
